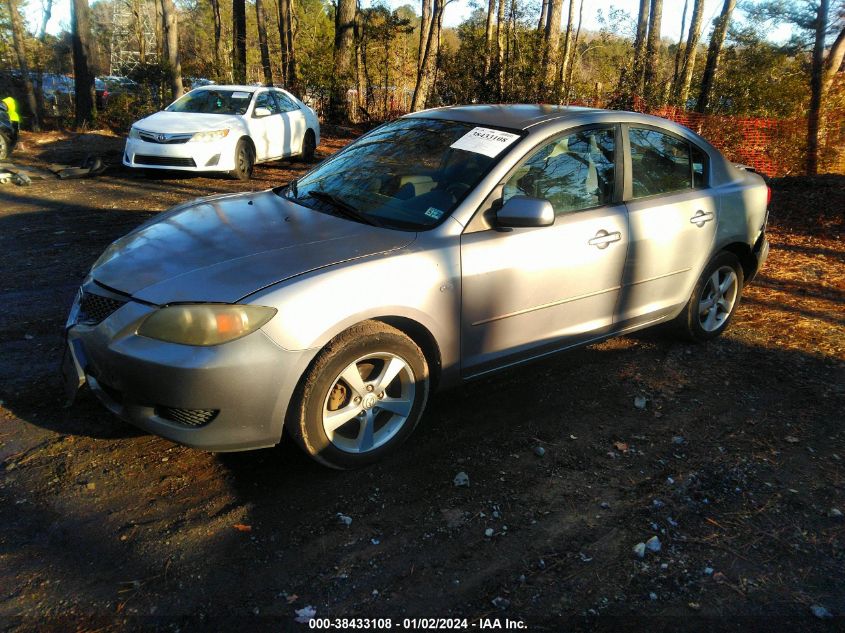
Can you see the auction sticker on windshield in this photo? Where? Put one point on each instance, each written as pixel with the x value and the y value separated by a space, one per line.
pixel 482 140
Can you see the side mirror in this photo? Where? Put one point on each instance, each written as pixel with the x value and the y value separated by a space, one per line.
pixel 522 211
pixel 260 112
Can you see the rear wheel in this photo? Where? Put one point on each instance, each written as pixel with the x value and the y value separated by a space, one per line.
pixel 309 147
pixel 714 299
pixel 244 161
pixel 362 397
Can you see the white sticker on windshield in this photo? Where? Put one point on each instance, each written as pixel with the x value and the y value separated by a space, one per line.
pixel 482 140
pixel 240 95
pixel 434 213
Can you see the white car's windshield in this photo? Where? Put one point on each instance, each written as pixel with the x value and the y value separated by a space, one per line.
pixel 408 174
pixel 212 102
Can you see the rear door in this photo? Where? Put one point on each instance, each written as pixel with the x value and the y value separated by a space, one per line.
pixel 672 214
pixel 294 122
pixel 531 290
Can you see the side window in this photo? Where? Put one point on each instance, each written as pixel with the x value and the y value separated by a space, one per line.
pixel 265 100
pixel 661 163
pixel 286 104
pixel 572 172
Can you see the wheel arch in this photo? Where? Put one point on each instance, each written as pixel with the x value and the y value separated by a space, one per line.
pixel 744 255
pixel 424 339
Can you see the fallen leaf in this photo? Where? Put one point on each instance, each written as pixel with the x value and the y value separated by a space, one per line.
pixel 240 527
pixel 622 447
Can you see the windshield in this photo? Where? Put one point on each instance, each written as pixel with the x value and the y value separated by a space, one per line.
pixel 212 102
pixel 408 174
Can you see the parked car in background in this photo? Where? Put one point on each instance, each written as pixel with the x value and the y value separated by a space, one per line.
pixel 439 247
pixel 224 128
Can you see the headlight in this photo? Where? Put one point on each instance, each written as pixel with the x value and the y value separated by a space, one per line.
pixel 204 324
pixel 214 135
pixel 134 133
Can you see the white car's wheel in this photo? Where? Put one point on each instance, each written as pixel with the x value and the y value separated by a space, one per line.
pixel 244 160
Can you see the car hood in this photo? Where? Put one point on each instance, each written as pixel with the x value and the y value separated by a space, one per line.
pixel 223 248
pixel 184 122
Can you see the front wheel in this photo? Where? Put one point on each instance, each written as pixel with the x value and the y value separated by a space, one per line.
pixel 714 299
pixel 244 161
pixel 362 397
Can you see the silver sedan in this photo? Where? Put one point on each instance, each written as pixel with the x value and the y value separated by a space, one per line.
pixel 436 248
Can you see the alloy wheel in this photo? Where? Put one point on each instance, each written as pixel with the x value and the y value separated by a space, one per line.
pixel 717 298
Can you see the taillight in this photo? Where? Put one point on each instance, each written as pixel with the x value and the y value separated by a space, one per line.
pixel 768 196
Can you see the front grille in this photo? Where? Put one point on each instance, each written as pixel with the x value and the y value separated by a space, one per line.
pixel 167 139
pixel 187 417
pixel 95 308
pixel 164 161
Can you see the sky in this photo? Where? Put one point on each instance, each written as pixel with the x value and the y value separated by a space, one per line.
pixel 457 10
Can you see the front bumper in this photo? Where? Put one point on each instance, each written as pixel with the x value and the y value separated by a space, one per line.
pixel 223 398
pixel 190 156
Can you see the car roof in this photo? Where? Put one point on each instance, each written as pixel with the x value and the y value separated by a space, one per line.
pixel 234 87
pixel 516 116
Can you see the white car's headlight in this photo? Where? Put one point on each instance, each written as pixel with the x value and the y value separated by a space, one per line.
pixel 212 135
pixel 134 133
pixel 204 324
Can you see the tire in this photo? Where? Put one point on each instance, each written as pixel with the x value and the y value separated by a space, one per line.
pixel 363 429
pixel 244 161
pixel 5 147
pixel 714 299
pixel 309 147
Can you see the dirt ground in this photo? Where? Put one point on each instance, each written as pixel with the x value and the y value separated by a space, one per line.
pixel 736 463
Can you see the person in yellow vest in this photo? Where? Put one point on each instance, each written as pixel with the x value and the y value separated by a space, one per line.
pixel 14 117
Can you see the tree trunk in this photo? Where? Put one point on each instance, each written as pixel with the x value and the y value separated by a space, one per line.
pixel 636 80
pixel 567 92
pixel 714 53
pixel 170 26
pixel 218 27
pixel 429 59
pixel 239 41
pixel 550 49
pixel 83 80
pixel 360 67
pixel 834 60
pixel 541 22
pixel 690 51
pixel 567 47
pixel 344 44
pixel 679 50
pixel 261 25
pixel 653 91
pixel 488 39
pixel 500 49
pixel 816 89
pixel 20 52
pixel 425 26
pixel 45 19
pixel 289 77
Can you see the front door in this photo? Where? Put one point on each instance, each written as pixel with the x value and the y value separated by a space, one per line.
pixel 531 290
pixel 267 132
pixel 295 124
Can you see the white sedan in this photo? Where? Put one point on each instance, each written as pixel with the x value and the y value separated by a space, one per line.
pixel 224 128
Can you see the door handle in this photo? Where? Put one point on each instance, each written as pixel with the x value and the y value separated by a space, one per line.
pixel 603 239
pixel 701 217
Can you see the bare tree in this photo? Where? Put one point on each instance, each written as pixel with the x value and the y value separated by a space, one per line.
pixel 20 52
pixel 500 48
pixel 636 80
pixel 488 39
pixel 286 16
pixel 344 44
pixel 567 91
pixel 45 19
pixel 428 63
pixel 816 88
pixel 552 42
pixel 425 25
pixel 690 51
pixel 170 26
pixel 83 78
pixel 567 46
pixel 261 24
pixel 541 21
pixel 679 51
pixel 652 58
pixel 218 28
pixel 239 41
pixel 714 53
